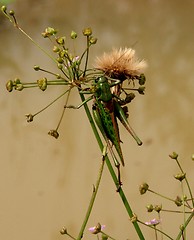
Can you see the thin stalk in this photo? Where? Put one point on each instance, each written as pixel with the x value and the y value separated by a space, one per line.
pixel 95 190
pixel 111 170
pixel 107 235
pixel 185 225
pixel 161 195
pixel 156 229
pixel 51 102
pixel 184 215
pixel 187 182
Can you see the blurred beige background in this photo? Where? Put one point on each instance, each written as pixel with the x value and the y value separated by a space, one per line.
pixel 46 183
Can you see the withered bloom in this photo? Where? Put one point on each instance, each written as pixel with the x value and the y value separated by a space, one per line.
pixel 121 64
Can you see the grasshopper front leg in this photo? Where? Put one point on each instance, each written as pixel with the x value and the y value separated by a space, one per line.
pixel 80 105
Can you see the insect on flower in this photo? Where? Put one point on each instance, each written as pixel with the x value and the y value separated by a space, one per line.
pixel 106 92
pixel 105 84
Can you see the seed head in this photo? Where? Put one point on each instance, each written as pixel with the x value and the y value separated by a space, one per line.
pixel 121 64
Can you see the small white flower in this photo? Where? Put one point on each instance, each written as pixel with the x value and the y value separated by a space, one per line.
pixel 96 229
pixel 153 222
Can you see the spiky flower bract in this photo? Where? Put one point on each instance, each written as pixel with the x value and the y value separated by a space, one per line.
pixel 121 64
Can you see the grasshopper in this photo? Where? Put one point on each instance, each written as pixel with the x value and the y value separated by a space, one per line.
pixel 106 110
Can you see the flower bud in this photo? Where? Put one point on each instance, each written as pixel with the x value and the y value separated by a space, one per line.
pixel 180 176
pixel 73 35
pixel 11 13
pixel 53 133
pixel 4 9
pixel 87 32
pixel 19 87
pixel 56 49
pixel 29 117
pixel 141 90
pixel 182 228
pixel 143 188
pixel 9 85
pixel 63 231
pixel 36 68
pixel 96 229
pixel 93 40
pixel 60 40
pixel 173 155
pixel 129 97
pixel 60 66
pixel 42 83
pixel 142 79
pixel 60 60
pixel 178 201
pixel 158 208
pixel 150 208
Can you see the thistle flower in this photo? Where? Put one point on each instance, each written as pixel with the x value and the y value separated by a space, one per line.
pixel 121 64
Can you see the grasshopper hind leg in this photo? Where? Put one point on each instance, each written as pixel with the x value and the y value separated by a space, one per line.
pixel 117 165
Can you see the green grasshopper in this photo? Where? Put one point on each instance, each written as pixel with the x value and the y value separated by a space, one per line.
pixel 106 110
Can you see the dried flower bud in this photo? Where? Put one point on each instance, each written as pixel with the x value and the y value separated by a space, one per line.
pixel 19 87
pixel 158 208
pixel 143 188
pixel 53 133
pixel 9 85
pixel 178 201
pixel 49 31
pixel 56 49
pixel 96 229
pixel 60 60
pixel 36 68
pixel 60 40
pixel 60 66
pixel 93 40
pixel 141 90
pixel 142 79
pixel 29 117
pixel 11 13
pixel 150 208
pixel 73 35
pixel 129 97
pixel 63 231
pixel 184 197
pixel 42 83
pixel 173 155
pixel 87 32
pixel 182 228
pixel 180 176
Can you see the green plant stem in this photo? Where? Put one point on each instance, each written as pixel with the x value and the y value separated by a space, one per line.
pixel 187 182
pixel 161 195
pixel 111 170
pixel 184 215
pixel 95 190
pixel 108 235
pixel 185 225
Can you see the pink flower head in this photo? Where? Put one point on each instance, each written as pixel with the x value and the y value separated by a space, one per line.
pixel 96 229
pixel 153 222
